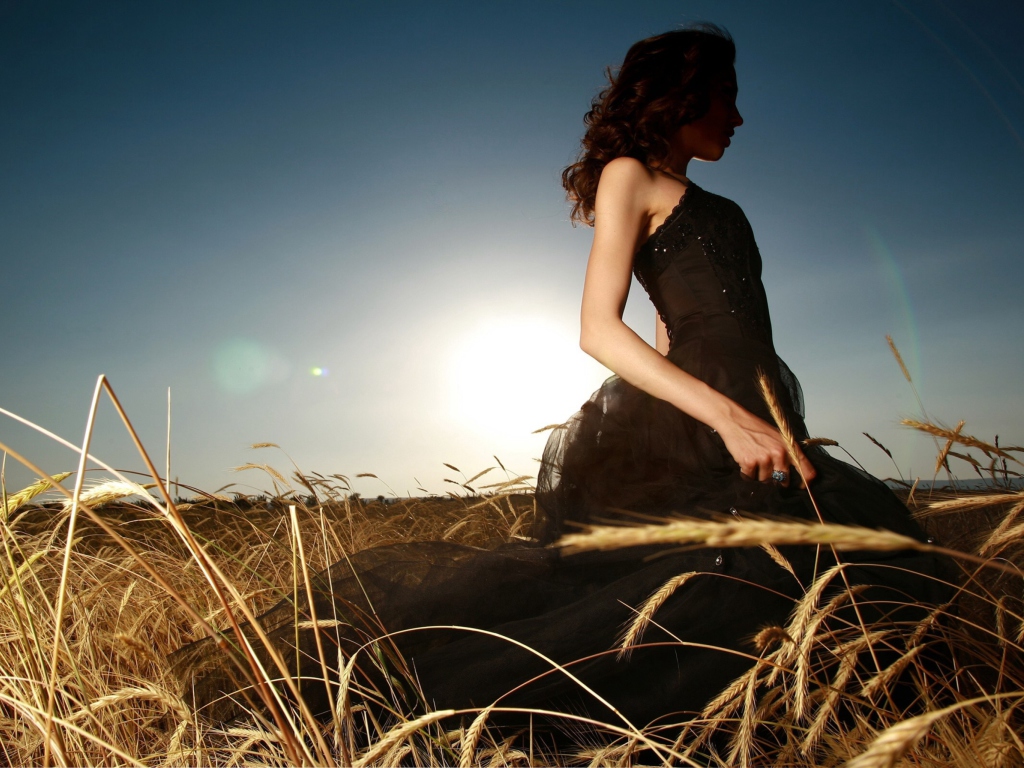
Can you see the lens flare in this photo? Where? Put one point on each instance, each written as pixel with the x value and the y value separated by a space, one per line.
pixel 241 366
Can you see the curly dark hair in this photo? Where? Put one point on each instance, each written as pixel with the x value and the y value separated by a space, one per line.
pixel 663 83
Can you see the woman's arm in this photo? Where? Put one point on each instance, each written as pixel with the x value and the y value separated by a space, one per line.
pixel 622 213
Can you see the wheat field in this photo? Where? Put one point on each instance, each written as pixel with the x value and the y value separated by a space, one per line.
pixel 100 583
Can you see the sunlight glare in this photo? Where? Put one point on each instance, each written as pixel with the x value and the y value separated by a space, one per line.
pixel 511 375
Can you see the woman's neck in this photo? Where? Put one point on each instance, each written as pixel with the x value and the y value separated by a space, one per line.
pixel 672 172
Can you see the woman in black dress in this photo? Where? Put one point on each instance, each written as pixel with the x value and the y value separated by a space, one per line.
pixel 681 430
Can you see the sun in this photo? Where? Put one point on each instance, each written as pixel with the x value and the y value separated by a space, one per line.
pixel 510 375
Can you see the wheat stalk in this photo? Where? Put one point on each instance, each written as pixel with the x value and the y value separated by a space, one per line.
pixel 643 617
pixel 899 358
pixel 107 492
pixel 770 636
pixel 398 733
pixel 893 742
pixel 743 742
pixel 847 665
pixel 15 500
pixel 968 440
pixel 764 384
pixel 941 459
pixel 964 503
pixel 738 533
pixel 731 697
pixel 779 559
pixel 1005 532
pixel 808 635
pixel 467 749
pixel 810 442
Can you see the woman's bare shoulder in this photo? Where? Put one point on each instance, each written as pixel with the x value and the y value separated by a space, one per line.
pixel 628 171
pixel 625 179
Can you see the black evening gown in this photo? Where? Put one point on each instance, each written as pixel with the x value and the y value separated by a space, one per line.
pixel 625 456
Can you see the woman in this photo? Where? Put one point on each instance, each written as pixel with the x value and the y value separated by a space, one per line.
pixel 680 431
pixel 631 184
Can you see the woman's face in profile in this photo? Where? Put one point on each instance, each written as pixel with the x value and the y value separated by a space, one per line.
pixel 707 137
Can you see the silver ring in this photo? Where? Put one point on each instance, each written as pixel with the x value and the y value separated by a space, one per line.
pixel 779 476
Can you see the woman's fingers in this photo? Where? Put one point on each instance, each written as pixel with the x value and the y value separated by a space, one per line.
pixel 807 469
pixel 781 471
pixel 804 466
pixel 761 454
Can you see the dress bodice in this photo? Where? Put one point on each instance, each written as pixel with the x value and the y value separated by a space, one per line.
pixel 702 270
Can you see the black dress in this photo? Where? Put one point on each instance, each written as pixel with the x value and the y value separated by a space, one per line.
pixel 624 454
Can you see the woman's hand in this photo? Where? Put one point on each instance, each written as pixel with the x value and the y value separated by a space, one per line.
pixel 759 449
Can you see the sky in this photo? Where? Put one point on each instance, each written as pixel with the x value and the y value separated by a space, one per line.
pixel 338 226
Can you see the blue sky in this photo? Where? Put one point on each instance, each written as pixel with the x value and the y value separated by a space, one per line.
pixel 223 198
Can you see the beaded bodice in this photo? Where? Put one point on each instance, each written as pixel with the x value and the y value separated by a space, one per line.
pixel 701 268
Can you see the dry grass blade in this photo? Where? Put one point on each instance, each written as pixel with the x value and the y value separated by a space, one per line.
pixel 899 358
pixel 1001 538
pixel 467 749
pixel 28 493
pixel 170 702
pixel 743 742
pixel 810 442
pixel 480 474
pixel 927 623
pixel 889 746
pixel 266 468
pixel 829 707
pixel 877 443
pixel 965 503
pixel 109 491
pixel 940 460
pixel 768 394
pixel 738 533
pixel 731 697
pixel 398 733
pixel 22 570
pixel 779 559
pixel 1005 532
pixel 956 437
pixel 548 427
pixel 808 604
pixel 517 483
pixel 770 636
pixel 884 678
pixel 1000 746
pixel 640 623
pixel 325 754
pixel 808 635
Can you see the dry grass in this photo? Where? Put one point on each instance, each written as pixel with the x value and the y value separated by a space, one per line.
pixel 145 577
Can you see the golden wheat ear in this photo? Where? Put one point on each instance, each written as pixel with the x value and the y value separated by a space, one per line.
pixel 764 384
pixel 634 632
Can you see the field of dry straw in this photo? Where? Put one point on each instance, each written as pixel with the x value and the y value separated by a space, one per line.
pixel 98 584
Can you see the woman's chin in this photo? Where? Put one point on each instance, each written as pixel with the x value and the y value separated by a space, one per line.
pixel 711 155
